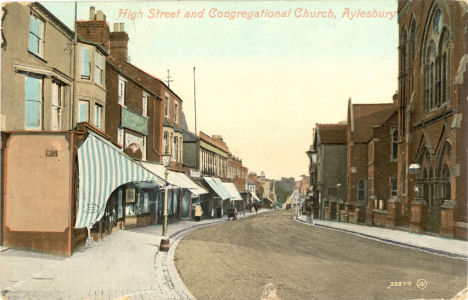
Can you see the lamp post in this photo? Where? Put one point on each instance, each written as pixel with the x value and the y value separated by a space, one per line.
pixel 312 154
pixel 164 245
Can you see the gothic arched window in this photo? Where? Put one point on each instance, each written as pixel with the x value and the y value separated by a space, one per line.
pixel 444 70
pixel 436 63
pixel 446 184
pixel 413 37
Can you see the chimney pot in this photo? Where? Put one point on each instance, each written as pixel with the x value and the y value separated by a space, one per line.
pixel 91 12
pixel 122 28
pixel 116 27
pixel 100 15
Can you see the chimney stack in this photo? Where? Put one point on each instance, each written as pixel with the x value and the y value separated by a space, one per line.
pixel 119 42
pixel 95 29
pixel 100 16
pixel 91 12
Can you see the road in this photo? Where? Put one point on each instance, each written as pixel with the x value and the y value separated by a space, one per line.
pixel 237 259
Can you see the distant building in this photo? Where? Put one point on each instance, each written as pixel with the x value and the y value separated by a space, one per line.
pixel 214 154
pixel 328 173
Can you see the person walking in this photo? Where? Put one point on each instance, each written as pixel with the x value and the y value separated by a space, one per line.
pixel 309 208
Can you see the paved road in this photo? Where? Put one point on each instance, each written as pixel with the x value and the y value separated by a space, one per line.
pixel 236 260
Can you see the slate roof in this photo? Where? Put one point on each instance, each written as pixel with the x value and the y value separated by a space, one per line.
pixel 332 133
pixel 217 143
pixel 366 116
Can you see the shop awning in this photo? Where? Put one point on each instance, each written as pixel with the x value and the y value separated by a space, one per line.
pixel 102 168
pixel 217 187
pixel 222 187
pixel 255 197
pixel 231 188
pixel 274 202
pixel 176 179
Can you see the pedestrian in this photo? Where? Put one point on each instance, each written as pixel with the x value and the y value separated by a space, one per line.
pixel 309 208
pixel 256 207
pixel 288 206
pixel 198 212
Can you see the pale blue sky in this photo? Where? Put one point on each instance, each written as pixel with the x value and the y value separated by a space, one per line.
pixel 263 83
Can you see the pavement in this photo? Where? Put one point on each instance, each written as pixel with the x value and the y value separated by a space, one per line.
pixel 125 265
pixel 432 244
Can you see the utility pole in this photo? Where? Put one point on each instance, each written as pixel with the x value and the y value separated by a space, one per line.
pixel 169 80
pixel 195 100
pixel 73 98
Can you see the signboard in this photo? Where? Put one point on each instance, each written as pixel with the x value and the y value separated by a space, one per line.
pixel 134 121
pixel 134 142
pixel 194 173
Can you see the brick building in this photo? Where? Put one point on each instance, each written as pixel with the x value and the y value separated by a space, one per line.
pixel 144 117
pixel 432 90
pixel 360 123
pixel 382 172
pixel 237 173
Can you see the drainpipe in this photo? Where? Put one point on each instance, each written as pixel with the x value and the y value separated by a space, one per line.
pixel 3 147
pixel 73 99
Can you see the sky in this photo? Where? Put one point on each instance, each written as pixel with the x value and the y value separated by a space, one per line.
pixel 264 82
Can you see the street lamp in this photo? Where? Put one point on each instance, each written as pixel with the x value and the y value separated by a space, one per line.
pixel 312 153
pixel 415 169
pixel 164 245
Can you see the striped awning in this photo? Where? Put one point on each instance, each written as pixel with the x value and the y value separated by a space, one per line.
pixel 231 188
pixel 176 179
pixel 255 197
pixel 217 187
pixel 102 168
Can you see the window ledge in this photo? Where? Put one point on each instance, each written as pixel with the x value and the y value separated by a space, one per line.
pixel 38 56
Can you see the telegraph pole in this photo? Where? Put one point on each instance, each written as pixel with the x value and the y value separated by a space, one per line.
pixel 169 80
pixel 195 101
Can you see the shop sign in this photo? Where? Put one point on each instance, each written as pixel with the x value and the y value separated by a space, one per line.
pixel 134 142
pixel 134 121
pixel 194 173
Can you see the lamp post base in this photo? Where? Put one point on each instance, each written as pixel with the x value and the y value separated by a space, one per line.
pixel 164 245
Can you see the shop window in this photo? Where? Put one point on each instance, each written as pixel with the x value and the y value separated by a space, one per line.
pixel 176 201
pixel 131 201
pixel 33 99
pixel 119 204
pixel 98 115
pixel 36 36
pixel 146 207
pixel 85 64
pixel 130 209
pixel 56 106
pixel 98 67
pixel 83 111
pixel 170 194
